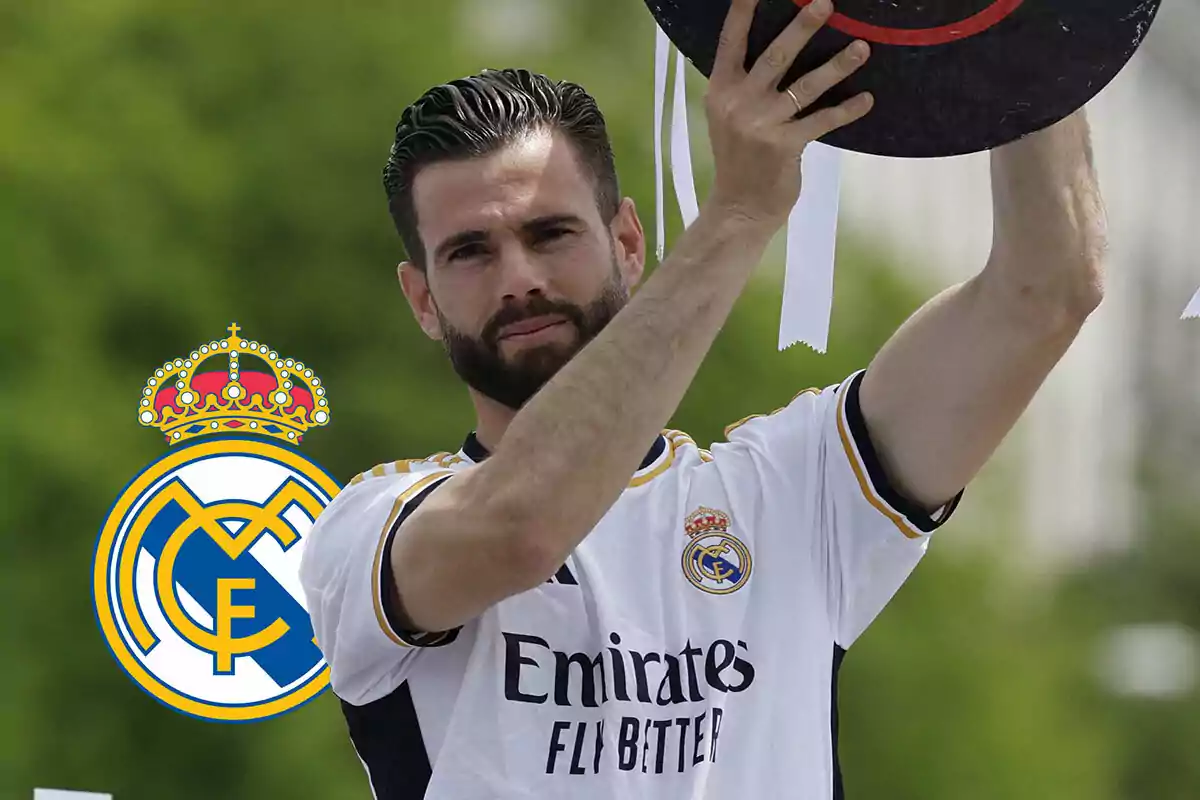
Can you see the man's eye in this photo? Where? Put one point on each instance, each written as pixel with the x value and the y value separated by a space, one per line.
pixel 550 234
pixel 467 251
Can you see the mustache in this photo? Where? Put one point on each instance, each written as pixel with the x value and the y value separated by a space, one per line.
pixel 537 307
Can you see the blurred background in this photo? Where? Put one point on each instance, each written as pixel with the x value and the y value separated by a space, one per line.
pixel 166 169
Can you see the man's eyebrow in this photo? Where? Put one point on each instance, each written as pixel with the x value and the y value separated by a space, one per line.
pixel 553 220
pixel 476 236
pixel 458 240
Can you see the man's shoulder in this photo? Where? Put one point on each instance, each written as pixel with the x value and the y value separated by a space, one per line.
pixel 368 503
pixel 407 469
pixel 383 485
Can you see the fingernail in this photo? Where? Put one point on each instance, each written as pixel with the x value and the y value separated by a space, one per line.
pixel 820 7
pixel 859 50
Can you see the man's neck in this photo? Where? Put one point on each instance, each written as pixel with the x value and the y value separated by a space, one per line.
pixel 493 420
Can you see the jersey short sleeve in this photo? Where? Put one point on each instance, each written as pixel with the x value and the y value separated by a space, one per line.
pixel 346 577
pixel 816 479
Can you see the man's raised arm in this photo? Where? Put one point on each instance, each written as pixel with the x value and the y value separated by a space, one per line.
pixel 950 384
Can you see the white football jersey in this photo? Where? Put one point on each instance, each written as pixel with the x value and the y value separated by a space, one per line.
pixel 688 648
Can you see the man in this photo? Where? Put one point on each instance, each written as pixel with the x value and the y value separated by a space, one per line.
pixel 579 604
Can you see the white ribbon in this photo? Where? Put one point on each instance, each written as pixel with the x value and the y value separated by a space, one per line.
pixel 1193 308
pixel 811 251
pixel 662 54
pixel 681 148
pixel 812 225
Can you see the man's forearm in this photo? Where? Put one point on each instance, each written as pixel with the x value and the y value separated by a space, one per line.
pixel 948 387
pixel 576 444
pixel 1050 226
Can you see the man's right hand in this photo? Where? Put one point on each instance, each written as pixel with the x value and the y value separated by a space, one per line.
pixel 757 140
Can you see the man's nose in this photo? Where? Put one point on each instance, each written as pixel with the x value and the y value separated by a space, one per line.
pixel 520 274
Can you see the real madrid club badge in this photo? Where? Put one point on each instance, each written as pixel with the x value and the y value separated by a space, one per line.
pixel 195 579
pixel 714 560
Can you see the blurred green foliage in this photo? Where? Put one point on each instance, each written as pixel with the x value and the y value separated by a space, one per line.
pixel 168 169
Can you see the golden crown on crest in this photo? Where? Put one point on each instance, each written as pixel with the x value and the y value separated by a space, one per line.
pixel 254 390
pixel 706 520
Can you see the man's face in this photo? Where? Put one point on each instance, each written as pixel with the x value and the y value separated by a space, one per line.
pixel 522 272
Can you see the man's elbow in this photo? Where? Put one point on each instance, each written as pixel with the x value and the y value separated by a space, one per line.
pixel 1052 299
pixel 1082 289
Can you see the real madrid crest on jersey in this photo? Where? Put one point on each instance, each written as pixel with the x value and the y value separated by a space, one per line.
pixel 195 579
pixel 714 560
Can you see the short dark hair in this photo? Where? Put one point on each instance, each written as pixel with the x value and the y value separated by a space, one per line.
pixel 481 114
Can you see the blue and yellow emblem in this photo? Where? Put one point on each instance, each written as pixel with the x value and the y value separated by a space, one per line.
pixel 196 575
pixel 714 560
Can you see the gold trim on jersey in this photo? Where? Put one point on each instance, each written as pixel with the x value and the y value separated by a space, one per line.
pixel 447 459
pixel 864 481
pixel 729 429
pixel 642 477
pixel 674 439
pixel 377 564
pixel 682 439
pixel 403 466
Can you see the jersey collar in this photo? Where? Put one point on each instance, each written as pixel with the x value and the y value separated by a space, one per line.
pixel 474 450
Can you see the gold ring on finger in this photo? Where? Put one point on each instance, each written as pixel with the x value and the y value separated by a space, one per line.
pixel 796 100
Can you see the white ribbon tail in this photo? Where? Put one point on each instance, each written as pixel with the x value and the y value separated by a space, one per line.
pixel 1193 308
pixel 811 251
pixel 662 55
pixel 681 150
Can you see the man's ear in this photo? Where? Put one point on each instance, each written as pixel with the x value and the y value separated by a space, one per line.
pixel 630 239
pixel 415 284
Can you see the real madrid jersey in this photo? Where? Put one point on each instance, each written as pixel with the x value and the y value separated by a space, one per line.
pixel 688 648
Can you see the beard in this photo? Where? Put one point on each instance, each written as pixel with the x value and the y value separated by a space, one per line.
pixel 512 383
